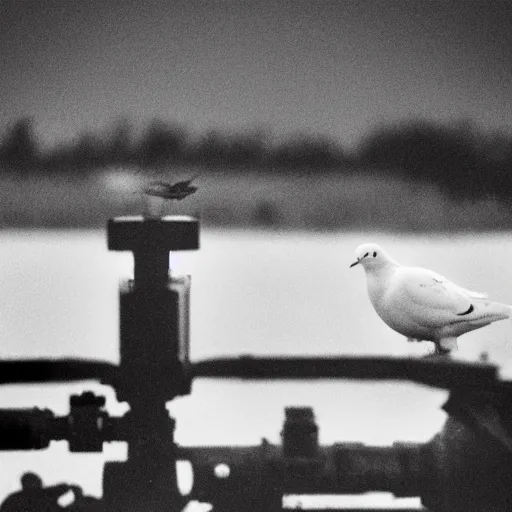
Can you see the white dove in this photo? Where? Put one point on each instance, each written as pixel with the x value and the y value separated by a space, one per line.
pixel 423 305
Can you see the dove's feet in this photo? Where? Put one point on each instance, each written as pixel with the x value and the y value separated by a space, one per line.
pixel 439 352
pixel 445 345
pixel 437 355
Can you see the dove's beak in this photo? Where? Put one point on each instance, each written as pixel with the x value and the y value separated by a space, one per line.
pixel 354 264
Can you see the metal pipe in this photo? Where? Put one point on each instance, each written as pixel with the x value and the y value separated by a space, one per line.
pixel 446 374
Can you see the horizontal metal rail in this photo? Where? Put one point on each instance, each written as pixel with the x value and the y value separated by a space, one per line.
pixel 439 372
pixel 56 370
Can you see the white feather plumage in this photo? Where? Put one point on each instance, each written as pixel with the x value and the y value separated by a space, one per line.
pixel 421 304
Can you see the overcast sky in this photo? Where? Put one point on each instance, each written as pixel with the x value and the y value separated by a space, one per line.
pixel 331 67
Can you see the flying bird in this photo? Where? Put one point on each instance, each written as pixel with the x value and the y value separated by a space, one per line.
pixel 179 190
pixel 421 304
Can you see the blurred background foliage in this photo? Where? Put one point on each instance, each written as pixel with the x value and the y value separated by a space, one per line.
pixel 410 175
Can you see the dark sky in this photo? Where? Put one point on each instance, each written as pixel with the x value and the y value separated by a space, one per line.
pixel 331 67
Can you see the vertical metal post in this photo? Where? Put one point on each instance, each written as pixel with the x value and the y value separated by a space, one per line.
pixel 153 350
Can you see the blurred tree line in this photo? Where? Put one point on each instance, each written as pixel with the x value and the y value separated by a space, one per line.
pixel 162 143
pixel 461 159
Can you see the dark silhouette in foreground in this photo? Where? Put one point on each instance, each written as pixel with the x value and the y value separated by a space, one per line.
pixel 33 497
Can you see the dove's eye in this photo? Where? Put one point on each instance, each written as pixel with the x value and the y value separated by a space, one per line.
pixel 374 254
pixel 365 255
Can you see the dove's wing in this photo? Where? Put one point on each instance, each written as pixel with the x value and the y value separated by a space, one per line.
pixel 429 298
pixel 465 291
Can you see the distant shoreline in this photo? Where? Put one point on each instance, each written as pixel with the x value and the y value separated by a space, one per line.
pixel 316 201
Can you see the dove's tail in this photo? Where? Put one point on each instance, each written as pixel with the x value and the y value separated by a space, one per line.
pixel 487 311
pixel 472 294
pixel 477 295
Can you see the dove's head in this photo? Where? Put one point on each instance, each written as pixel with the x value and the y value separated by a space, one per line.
pixel 371 256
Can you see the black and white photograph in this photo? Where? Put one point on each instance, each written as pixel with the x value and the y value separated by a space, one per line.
pixel 255 256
